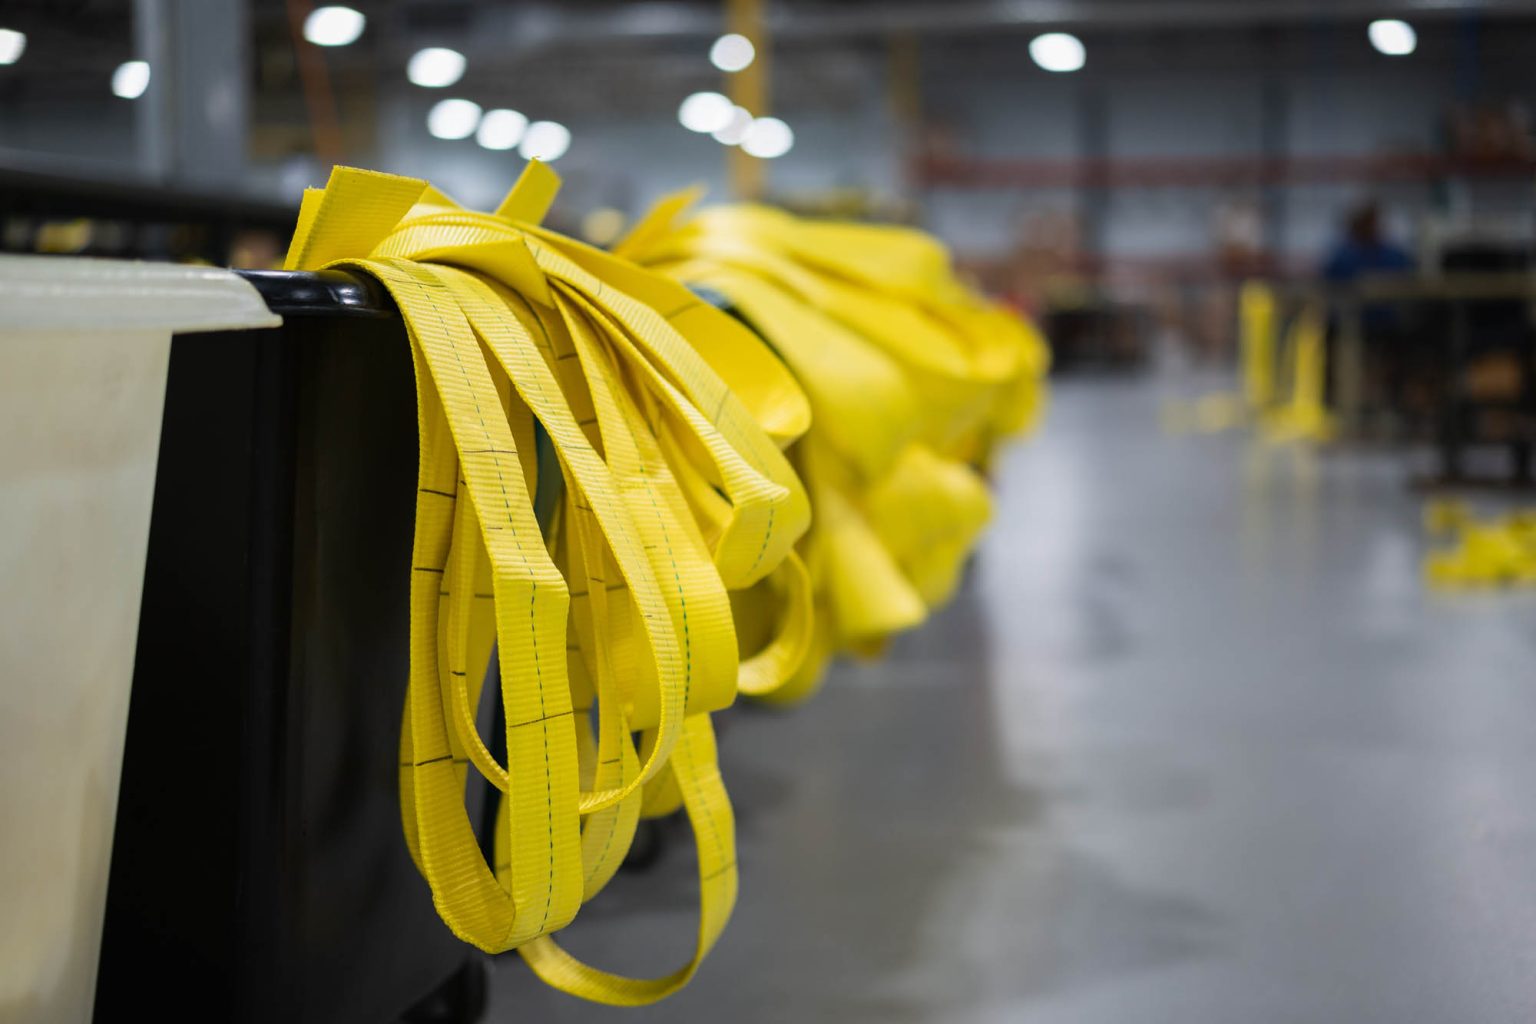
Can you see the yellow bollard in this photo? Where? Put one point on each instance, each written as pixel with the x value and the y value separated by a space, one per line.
pixel 1304 414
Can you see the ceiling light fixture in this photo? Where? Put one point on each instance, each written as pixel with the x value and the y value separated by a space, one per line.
pixel 501 129
pixel 435 67
pixel 453 119
pixel 545 140
pixel 705 112
pixel 12 45
pixel 1058 51
pixel 736 129
pixel 1393 37
pixel 334 26
pixel 130 79
pixel 732 52
pixel 767 138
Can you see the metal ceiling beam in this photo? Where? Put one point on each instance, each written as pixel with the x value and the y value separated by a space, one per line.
pixel 995 14
pixel 528 27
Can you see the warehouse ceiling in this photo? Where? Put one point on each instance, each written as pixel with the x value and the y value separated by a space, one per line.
pixel 574 58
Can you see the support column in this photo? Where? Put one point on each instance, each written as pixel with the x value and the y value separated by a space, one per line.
pixel 193 120
pixel 748 88
pixel 1093 190
pixel 152 113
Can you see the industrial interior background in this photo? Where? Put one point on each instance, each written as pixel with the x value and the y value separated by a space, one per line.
pixel 1195 742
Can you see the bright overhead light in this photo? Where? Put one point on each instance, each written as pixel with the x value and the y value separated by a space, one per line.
pixel 705 112
pixel 435 67
pixel 767 137
pixel 453 119
pixel 501 129
pixel 545 140
pixel 736 129
pixel 334 26
pixel 130 79
pixel 12 45
pixel 1393 37
pixel 732 52
pixel 1058 51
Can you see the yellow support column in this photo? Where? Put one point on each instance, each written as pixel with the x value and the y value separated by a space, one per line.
pixel 748 88
pixel 1256 335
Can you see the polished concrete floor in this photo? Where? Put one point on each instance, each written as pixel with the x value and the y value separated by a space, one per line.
pixel 1194 746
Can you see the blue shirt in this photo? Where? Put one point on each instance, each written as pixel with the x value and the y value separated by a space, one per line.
pixel 1350 259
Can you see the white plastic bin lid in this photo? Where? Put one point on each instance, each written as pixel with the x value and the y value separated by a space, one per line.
pixel 84 348
pixel 68 293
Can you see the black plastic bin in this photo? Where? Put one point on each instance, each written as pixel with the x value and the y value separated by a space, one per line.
pixel 258 869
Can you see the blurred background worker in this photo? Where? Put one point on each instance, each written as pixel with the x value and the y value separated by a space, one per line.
pixel 1364 249
pixel 1391 354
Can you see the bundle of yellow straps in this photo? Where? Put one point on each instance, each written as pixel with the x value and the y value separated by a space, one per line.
pixel 671 569
pixel 1484 551
pixel 911 379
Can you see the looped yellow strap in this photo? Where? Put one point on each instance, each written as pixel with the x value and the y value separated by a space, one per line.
pixel 678 564
pixel 615 621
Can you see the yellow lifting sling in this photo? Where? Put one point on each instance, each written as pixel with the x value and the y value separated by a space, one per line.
pixel 667 418
pixel 911 379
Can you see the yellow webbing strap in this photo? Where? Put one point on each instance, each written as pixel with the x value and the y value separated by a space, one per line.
pixel 531 195
pixel 865 406
pixel 676 492
pixel 738 355
pixel 1484 552
pixel 911 380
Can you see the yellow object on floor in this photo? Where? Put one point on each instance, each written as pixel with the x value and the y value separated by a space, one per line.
pixel 1227 410
pixel 666 416
pixel 1257 319
pixel 1303 414
pixel 1282 396
pixel 911 378
pixel 1494 552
